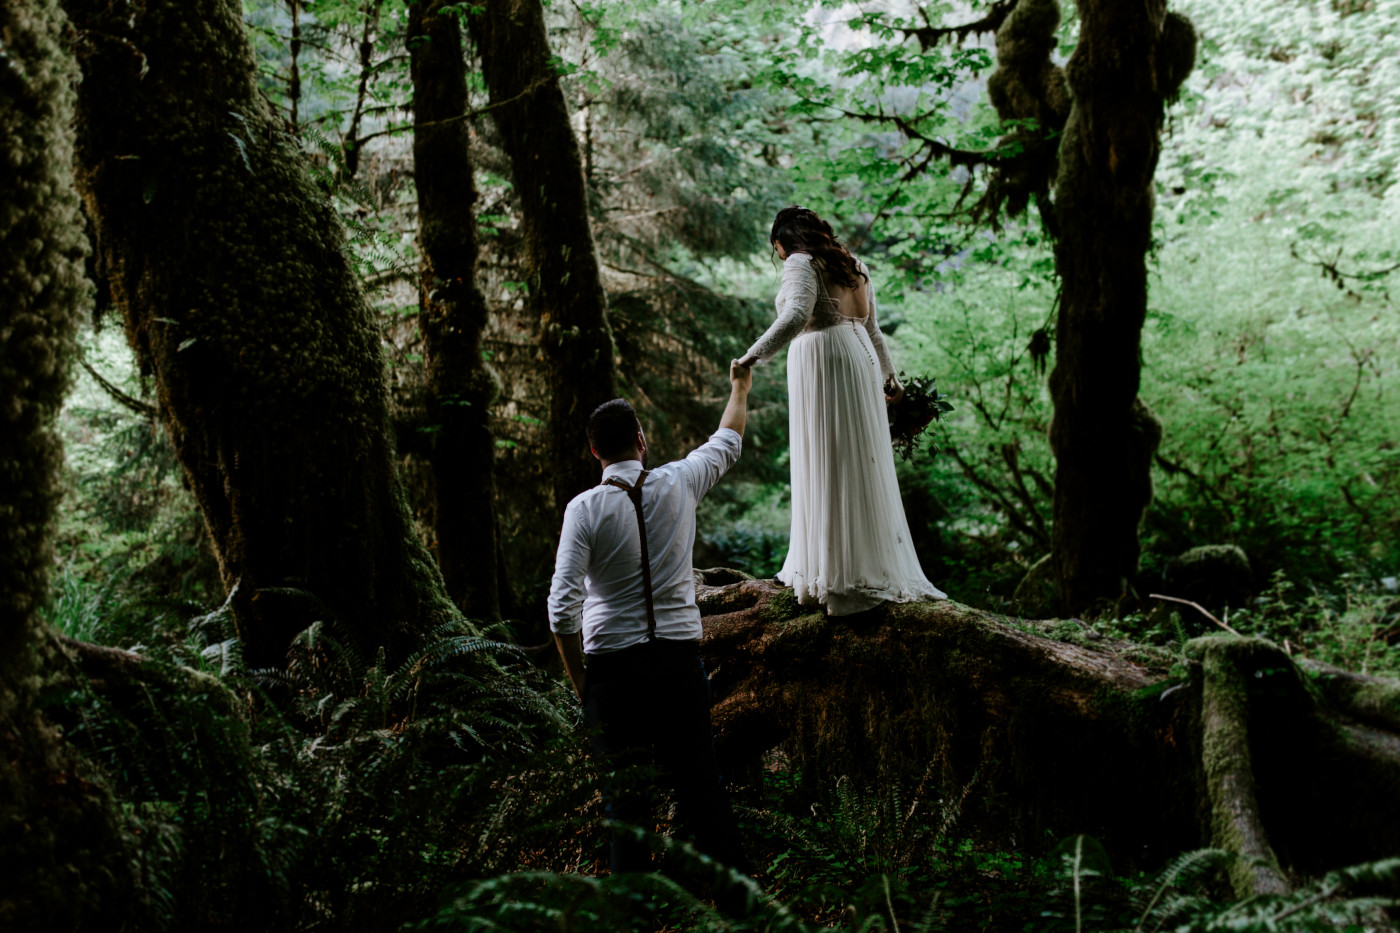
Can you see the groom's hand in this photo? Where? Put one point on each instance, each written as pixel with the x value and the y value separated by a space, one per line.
pixel 740 376
pixel 736 411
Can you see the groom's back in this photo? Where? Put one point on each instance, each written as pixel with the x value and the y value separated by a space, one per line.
pixel 601 524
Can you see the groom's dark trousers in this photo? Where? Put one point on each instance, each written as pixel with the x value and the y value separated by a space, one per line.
pixel 648 706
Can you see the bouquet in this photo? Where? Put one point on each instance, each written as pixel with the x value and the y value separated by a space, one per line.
pixel 911 415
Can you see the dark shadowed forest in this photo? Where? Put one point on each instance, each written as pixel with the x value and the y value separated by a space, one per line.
pixel 304 305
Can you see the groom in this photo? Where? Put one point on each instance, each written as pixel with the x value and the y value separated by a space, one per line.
pixel 622 608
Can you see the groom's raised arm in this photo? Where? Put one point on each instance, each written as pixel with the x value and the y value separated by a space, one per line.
pixel 711 460
pixel 736 411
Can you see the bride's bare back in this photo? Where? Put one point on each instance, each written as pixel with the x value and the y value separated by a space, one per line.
pixel 851 302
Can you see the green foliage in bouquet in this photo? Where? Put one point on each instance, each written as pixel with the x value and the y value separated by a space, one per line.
pixel 911 415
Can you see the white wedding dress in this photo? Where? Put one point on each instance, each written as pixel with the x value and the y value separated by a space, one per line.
pixel 850 547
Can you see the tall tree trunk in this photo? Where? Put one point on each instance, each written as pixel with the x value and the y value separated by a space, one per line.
pixel 228 265
pixel 453 313
pixel 1020 729
pixel 1130 57
pixel 58 837
pixel 565 289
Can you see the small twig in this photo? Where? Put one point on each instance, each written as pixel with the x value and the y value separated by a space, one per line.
pixel 1198 607
pixel 1332 269
pixel 1300 907
pixel 469 115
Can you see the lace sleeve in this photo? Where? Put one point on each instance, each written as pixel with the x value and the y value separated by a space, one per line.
pixel 872 327
pixel 796 298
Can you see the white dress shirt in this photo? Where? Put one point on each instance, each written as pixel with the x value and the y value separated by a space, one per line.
pixel 597 583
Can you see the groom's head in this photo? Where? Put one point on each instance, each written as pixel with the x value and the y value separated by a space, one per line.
pixel 615 434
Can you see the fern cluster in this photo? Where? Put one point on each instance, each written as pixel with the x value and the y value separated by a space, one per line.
pixel 1180 897
pixel 339 793
pixel 444 792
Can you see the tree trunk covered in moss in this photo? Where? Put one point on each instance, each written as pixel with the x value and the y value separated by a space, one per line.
pixel 1043 727
pixel 565 288
pixel 453 313
pixel 1130 58
pixel 59 840
pixel 228 265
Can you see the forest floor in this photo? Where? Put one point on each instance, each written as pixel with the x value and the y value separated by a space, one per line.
pixel 841 859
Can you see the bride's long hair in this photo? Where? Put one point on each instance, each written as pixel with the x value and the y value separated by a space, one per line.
pixel 800 230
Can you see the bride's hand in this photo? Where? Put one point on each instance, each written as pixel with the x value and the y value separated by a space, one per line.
pixel 893 391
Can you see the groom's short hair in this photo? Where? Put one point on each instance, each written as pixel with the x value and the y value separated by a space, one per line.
pixel 612 429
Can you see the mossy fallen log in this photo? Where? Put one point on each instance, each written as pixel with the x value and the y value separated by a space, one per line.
pixel 1045 728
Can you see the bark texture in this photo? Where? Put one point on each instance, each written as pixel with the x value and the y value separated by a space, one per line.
pixel 59 840
pixel 1036 727
pixel 565 289
pixel 452 315
pixel 227 264
pixel 1131 57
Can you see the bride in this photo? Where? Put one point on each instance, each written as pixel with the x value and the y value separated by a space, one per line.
pixel 850 547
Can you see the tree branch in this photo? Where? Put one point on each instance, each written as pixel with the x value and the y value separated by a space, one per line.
pixel 1020 523
pixel 930 35
pixel 141 408
pixel 469 115
pixel 1011 454
pixel 1331 269
pixel 1172 468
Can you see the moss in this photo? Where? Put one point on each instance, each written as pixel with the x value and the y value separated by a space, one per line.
pixel 1370 700
pixel 1072 632
pixel 1176 54
pixel 1027 85
pixel 806 635
pixel 1139 710
pixel 781 606
pixel 41 294
pixel 1235 823
pixel 1379 700
pixel 58 837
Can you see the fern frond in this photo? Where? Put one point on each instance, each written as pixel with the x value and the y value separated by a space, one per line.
pixel 226 656
pixel 1185 868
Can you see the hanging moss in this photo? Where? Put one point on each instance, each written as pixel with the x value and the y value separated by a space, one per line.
pixel 1176 54
pixel 1027 85
pixel 58 837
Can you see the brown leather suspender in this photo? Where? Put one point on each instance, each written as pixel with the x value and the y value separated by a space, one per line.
pixel 635 494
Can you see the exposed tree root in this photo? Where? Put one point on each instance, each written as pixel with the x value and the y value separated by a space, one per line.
pixel 1293 765
pixel 109 670
pixel 1235 824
